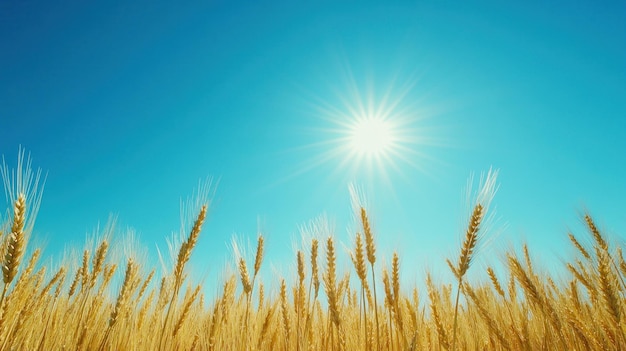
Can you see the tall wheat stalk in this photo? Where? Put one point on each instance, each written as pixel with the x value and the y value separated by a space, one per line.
pixel 358 259
pixel 183 257
pixel 483 199
pixel 370 249
pixel 469 244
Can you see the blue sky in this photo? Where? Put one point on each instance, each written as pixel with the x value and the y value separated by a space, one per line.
pixel 127 105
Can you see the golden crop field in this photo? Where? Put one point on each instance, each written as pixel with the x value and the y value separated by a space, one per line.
pixel 323 309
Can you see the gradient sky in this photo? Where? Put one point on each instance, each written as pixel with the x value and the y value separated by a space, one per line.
pixel 128 104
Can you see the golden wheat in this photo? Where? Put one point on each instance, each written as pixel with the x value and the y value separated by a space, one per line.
pixel 95 307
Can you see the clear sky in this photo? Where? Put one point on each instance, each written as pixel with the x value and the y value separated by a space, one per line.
pixel 128 104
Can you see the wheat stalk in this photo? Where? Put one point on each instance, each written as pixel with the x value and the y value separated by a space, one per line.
pixel 370 249
pixel 183 256
pixel 330 281
pixel 467 249
pixel 285 312
pixel 358 259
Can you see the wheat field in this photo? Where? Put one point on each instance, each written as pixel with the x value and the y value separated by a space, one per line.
pixel 319 309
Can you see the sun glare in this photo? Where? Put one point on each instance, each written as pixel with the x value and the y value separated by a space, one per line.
pixel 372 136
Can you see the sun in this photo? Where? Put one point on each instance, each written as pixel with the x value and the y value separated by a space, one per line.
pixel 371 137
pixel 376 134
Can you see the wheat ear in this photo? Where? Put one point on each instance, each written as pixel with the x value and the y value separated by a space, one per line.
pixel 580 248
pixel 129 277
pixel 185 312
pixel 15 245
pixel 495 282
pixel 245 277
pixel 185 250
pixel 315 279
pixel 258 259
pixel 98 262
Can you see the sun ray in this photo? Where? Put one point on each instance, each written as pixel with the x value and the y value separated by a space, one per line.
pixel 369 134
pixel 374 136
